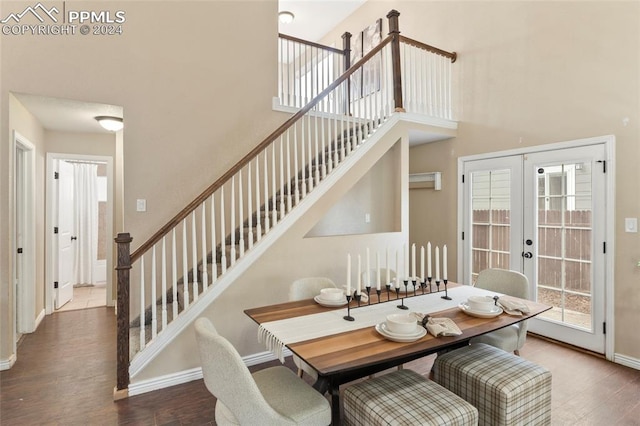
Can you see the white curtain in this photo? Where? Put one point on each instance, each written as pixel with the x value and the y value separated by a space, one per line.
pixel 86 226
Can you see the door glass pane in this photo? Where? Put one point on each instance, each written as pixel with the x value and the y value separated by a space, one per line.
pixel 565 243
pixel 491 220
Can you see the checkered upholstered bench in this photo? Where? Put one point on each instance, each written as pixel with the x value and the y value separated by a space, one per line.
pixel 404 397
pixel 506 389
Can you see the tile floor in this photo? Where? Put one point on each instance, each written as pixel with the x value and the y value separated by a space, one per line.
pixel 86 297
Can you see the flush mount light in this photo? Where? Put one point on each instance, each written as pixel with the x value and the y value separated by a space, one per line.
pixel 112 124
pixel 285 17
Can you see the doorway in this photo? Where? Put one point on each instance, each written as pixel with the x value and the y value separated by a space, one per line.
pixel 544 213
pixel 79 189
pixel 24 240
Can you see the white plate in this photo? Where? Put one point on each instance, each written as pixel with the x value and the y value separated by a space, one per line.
pixel 403 338
pixel 330 303
pixel 494 312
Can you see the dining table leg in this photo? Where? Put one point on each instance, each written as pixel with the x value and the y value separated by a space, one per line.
pixel 334 391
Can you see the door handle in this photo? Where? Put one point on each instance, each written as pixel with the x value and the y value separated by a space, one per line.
pixel 527 254
pixel 74 238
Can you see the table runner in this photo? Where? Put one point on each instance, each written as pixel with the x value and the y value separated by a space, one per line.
pixel 277 334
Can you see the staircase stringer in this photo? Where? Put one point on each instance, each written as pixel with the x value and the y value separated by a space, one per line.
pixel 195 309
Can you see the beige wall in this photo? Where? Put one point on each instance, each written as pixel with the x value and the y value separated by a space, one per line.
pixel 529 74
pixel 195 79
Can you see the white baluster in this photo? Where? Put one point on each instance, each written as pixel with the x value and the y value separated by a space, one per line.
pixel 258 215
pixel 318 154
pixel 143 307
pixel 289 193
pixel 232 225
pixel 266 192
pixel 185 265
pixel 310 154
pixel 194 255
pixel 241 212
pixel 303 166
pixel 154 302
pixel 174 274
pixel 249 206
pixel 322 162
pixel 163 265
pixel 274 201
pixel 214 248
pixel 203 233
pixel 296 184
pixel 282 194
pixel 223 239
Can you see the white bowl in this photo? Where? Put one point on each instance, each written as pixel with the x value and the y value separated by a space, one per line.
pixel 401 323
pixel 332 294
pixel 481 303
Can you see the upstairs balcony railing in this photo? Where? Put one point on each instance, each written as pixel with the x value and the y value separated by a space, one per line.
pixel 305 69
pixel 192 253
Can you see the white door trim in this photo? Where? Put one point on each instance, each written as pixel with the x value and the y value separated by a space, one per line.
pixel 50 218
pixel 609 144
pixel 25 301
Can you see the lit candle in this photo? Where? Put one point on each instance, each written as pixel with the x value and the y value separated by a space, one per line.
pixel 368 283
pixel 413 261
pixel 437 263
pixel 377 270
pixel 348 274
pixel 405 270
pixel 422 262
pixel 429 259
pixel 388 268
pixel 397 270
pixel 444 262
pixel 358 289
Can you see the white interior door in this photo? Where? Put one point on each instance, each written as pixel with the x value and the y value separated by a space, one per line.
pixel 543 214
pixel 566 222
pixel 66 238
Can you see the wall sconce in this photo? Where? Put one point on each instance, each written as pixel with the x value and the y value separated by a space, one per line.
pixel 112 124
pixel 285 17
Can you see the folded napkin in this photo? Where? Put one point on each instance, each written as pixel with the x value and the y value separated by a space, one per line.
pixel 513 307
pixel 438 326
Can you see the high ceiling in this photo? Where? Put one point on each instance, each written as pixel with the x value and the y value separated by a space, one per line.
pixel 313 19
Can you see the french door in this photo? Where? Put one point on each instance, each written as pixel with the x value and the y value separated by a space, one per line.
pixel 543 214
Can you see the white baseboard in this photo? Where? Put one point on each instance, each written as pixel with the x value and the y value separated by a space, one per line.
pixel 190 375
pixel 6 364
pixel 627 361
pixel 39 319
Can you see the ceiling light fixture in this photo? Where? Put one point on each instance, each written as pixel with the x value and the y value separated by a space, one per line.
pixel 285 17
pixel 112 124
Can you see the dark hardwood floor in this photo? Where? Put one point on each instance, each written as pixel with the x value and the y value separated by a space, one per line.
pixel 65 375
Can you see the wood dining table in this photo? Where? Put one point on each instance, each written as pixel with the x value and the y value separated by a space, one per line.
pixel 343 356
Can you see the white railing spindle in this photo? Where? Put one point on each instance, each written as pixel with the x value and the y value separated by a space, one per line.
pixel 174 275
pixel 240 213
pixel 185 265
pixel 163 278
pixel 154 299
pixel 223 239
pixel 194 256
pixel 214 247
pixel 203 232
pixel 258 208
pixel 143 306
pixel 249 207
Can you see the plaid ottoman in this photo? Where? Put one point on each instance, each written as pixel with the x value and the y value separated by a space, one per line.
pixel 404 397
pixel 506 389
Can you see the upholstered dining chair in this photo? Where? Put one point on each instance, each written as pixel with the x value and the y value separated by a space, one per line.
pixel 273 396
pixel 307 288
pixel 512 283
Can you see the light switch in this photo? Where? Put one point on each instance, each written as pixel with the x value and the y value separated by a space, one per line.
pixel 141 205
pixel 630 224
pixel 367 218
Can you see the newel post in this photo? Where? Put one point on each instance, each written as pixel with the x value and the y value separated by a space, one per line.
pixel 394 31
pixel 123 267
pixel 346 48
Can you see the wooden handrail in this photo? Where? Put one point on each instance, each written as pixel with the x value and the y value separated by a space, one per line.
pixel 451 55
pixel 252 154
pixel 311 43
